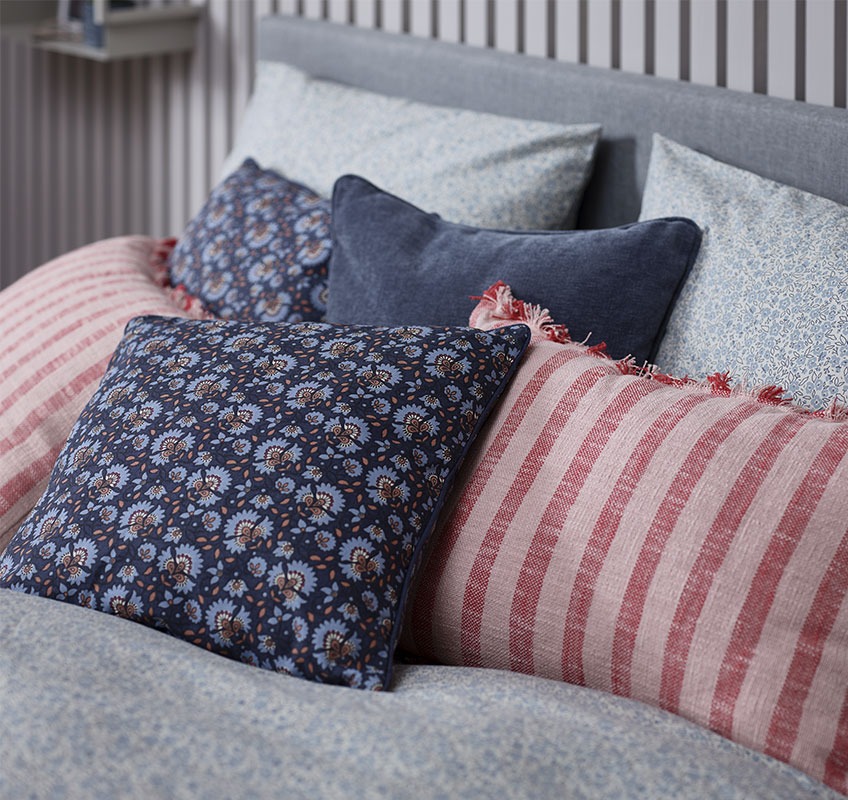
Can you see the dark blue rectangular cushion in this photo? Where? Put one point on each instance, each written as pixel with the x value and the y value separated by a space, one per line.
pixel 394 264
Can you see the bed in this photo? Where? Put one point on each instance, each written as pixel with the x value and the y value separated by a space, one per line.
pixel 587 576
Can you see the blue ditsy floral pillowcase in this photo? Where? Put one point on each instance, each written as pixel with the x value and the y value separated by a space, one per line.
pixel 263 490
pixel 767 296
pixel 258 249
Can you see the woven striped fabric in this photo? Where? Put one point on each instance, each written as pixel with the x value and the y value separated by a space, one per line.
pixel 684 545
pixel 58 327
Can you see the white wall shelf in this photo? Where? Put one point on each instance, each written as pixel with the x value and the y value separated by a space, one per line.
pixel 127 33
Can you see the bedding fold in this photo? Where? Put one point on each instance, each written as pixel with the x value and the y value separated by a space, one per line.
pixel 95 706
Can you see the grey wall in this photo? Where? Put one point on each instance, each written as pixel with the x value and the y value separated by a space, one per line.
pixel 90 150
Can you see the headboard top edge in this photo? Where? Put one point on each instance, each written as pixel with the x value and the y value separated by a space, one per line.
pixel 785 140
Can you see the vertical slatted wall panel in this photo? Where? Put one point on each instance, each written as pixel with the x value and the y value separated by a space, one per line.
pixel 176 177
pixel 91 150
pixel 49 146
pixel 26 191
pixel 97 147
pixel 8 246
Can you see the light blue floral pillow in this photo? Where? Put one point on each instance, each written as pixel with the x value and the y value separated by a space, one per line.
pixel 468 167
pixel 767 297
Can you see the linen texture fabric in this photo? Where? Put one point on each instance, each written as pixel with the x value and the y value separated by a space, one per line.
pixel 262 490
pixel 70 676
pixel 471 167
pixel 59 325
pixel 685 545
pixel 258 249
pixel 395 264
pixel 767 297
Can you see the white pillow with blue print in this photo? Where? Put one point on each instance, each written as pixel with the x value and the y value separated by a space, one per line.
pixel 469 167
pixel 767 297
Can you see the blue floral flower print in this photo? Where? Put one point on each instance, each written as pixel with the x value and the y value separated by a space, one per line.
pixel 347 434
pixel 122 602
pixel 259 249
pixel 293 583
pixel 140 520
pixel 228 623
pixel 361 560
pixel 179 567
pixel 415 423
pixel 264 508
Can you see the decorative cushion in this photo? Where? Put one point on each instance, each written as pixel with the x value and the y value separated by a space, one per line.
pixel 262 490
pixel 767 296
pixel 59 325
pixel 394 264
pixel 682 544
pixel 480 169
pixel 258 249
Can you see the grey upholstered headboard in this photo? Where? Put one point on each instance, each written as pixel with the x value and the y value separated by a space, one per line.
pixel 795 143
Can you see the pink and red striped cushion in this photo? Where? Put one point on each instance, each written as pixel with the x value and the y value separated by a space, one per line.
pixel 680 544
pixel 58 327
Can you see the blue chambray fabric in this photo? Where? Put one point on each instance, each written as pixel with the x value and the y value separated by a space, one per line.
pixel 767 297
pixel 263 490
pixel 258 249
pixel 467 166
pixel 395 264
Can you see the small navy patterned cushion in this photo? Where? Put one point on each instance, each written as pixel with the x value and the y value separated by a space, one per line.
pixel 263 490
pixel 258 249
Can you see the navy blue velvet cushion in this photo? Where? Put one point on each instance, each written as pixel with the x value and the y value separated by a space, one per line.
pixel 394 264
pixel 263 490
pixel 258 249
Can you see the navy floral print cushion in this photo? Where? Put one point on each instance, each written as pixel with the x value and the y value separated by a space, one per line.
pixel 258 250
pixel 263 490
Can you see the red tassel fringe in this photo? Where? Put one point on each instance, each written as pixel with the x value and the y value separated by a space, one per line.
pixel 498 307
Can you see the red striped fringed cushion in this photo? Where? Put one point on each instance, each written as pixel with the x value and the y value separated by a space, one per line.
pixel 58 327
pixel 680 544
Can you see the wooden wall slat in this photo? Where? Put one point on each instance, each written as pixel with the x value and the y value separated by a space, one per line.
pixel 135 146
pixel 476 22
pixel 8 218
pixel 633 35
pixel 506 25
pixel 199 120
pixel 364 10
pixel 77 146
pixel 158 124
pixel 64 154
pixel 820 53
pixel 392 16
pixel 99 153
pixel 449 20
pixel 242 41
pixel 536 28
pixel 338 10
pixel 667 38
pixel 702 42
pixel 420 18
pixel 177 176
pixel 218 85
pixel 568 30
pixel 30 227
pixel 740 45
pixel 600 41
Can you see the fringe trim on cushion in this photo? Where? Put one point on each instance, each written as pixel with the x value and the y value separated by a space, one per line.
pixel 178 294
pixel 499 307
